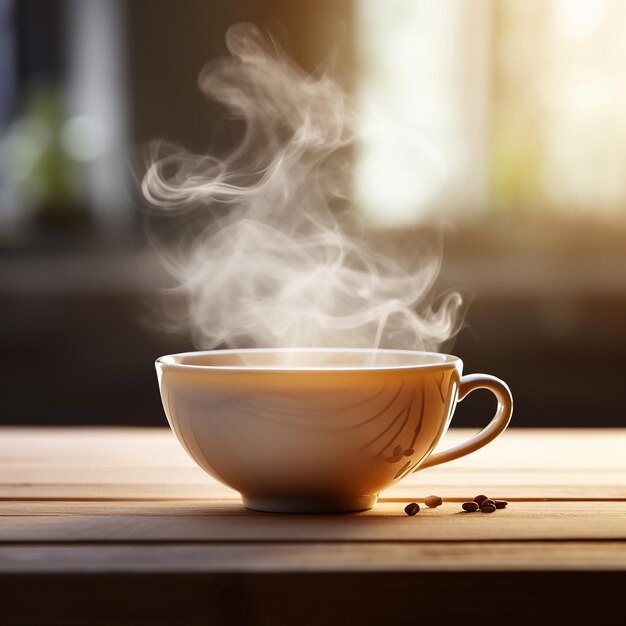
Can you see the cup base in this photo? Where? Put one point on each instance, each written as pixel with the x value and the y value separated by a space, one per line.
pixel 309 505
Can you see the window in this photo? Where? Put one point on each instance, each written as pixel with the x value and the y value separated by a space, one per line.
pixel 474 106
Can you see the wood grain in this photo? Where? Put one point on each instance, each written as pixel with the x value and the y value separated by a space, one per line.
pixel 148 464
pixel 388 522
pixel 312 557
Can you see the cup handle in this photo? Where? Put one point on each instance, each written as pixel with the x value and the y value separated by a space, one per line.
pixel 496 426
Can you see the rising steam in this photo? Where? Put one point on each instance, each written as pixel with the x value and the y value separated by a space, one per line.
pixel 274 263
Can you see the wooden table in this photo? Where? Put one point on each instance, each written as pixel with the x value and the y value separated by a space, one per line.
pixel 101 526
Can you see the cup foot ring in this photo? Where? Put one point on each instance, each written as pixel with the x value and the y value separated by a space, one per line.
pixel 309 505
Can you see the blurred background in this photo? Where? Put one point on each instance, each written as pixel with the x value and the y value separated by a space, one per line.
pixel 513 134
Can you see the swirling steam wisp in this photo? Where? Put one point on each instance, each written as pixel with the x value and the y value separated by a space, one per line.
pixel 274 264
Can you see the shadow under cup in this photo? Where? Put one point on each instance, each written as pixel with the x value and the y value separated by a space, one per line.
pixel 313 430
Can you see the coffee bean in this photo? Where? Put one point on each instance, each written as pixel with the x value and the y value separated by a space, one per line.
pixel 488 501
pixel 488 508
pixel 501 504
pixel 412 508
pixel 433 501
pixel 480 499
pixel 470 507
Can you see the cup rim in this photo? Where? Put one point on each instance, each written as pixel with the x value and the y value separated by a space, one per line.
pixel 174 360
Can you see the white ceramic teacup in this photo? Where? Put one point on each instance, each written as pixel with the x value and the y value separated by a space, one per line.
pixel 318 430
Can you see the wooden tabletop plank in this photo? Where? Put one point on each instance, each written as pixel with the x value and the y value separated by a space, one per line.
pixel 541 449
pixel 148 464
pixel 455 490
pixel 201 508
pixel 387 522
pixel 312 557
